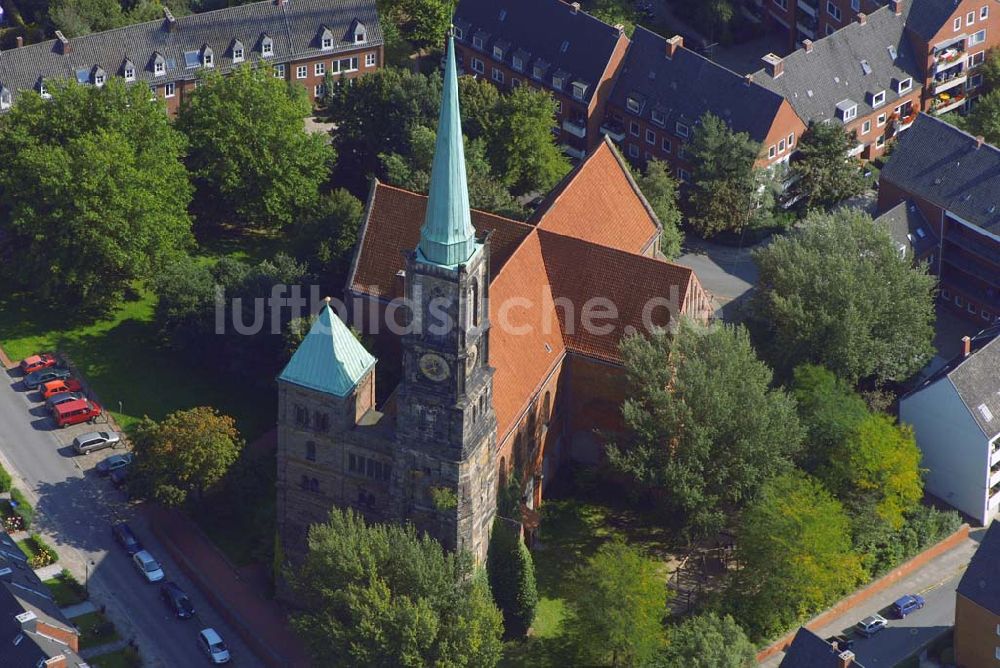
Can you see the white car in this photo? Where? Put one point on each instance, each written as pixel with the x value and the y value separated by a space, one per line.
pixel 211 643
pixel 869 626
pixel 148 566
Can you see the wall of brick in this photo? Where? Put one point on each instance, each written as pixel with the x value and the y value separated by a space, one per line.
pixel 976 638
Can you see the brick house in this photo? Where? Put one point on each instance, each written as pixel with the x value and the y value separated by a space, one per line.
pixel 663 90
pixel 954 180
pixel 913 235
pixel 800 20
pixel 865 77
pixel 977 606
pixel 808 650
pixel 301 39
pixel 549 45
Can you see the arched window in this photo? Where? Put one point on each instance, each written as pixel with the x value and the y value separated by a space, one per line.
pixel 311 451
pixel 304 483
pixel 314 485
pixel 503 473
pixel 476 310
pixel 547 408
pixel 519 453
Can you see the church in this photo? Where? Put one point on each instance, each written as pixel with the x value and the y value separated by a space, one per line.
pixel 506 337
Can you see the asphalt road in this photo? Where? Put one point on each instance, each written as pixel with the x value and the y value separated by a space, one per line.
pixel 75 509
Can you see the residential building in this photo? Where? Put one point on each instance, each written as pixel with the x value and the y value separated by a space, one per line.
pixel 516 380
pixel 913 235
pixel 33 630
pixel 955 415
pixel 663 91
pixel 954 179
pixel 977 605
pixel 801 20
pixel 302 39
pixel 950 39
pixel 549 45
pixel 864 77
pixel 808 650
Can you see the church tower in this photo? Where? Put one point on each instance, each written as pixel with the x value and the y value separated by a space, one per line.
pixel 446 429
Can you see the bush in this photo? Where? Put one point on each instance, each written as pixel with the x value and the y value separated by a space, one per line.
pixel 41 554
pixel 22 508
pixel 5 480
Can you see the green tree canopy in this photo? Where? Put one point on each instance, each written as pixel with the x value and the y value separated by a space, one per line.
pixel 708 641
pixel 836 292
pixel 826 174
pixel 617 614
pixel 794 554
pixel 512 578
pixel 379 595
pixel 93 195
pixel 184 455
pixel 660 190
pixel 705 427
pixel 990 69
pixel 252 160
pixel 325 237
pixel 984 119
pixel 829 409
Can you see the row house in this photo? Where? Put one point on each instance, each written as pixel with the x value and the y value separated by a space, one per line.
pixel 302 40
pixel 977 605
pixel 801 20
pixel 954 180
pixel 865 77
pixel 549 45
pixel 665 88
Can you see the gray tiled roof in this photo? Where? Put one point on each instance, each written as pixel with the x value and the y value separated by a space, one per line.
pixel 815 83
pixel 548 30
pixel 977 380
pixel 808 650
pixel 908 228
pixel 294 27
pixel 927 17
pixel 981 581
pixel 684 87
pixel 940 163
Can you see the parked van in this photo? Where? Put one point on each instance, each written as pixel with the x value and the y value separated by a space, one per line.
pixel 76 412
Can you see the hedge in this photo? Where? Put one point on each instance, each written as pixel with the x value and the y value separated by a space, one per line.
pixel 5 480
pixel 23 509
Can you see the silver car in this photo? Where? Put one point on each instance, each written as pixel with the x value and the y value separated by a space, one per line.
pixel 147 566
pixel 96 440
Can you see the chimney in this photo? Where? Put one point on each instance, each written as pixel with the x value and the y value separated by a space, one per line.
pixel 774 65
pixel 979 141
pixel 171 21
pixel 845 659
pixel 575 7
pixel 807 44
pixel 620 27
pixel 897 6
pixel 64 45
pixel 58 661
pixel 20 41
pixel 673 44
pixel 966 346
pixel 862 18
pixel 748 79
pixel 27 621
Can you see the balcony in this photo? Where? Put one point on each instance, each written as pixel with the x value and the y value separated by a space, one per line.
pixel 945 102
pixel 982 249
pixel 575 126
pixel 574 152
pixel 995 457
pixel 946 83
pixel 856 151
pixel 948 58
pixel 613 129
pixel 905 122
pixel 973 268
pixel 808 8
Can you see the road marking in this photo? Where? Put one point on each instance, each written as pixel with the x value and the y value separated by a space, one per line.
pixel 932 587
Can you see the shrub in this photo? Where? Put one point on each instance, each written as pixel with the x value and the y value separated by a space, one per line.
pixel 512 578
pixel 43 554
pixel 5 480
pixel 22 508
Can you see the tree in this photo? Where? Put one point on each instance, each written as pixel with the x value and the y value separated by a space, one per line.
pixel 423 21
pixel 185 455
pixel 80 17
pixel 379 595
pixel 836 292
pixel 794 555
pixel 617 614
pixel 325 237
pixel 512 578
pixel 93 195
pixel 990 69
pixel 826 174
pixel 726 192
pixel 828 408
pixel 690 435
pixel 253 162
pixel 984 119
pixel 660 190
pixel 877 468
pixel 520 144
pixel 708 641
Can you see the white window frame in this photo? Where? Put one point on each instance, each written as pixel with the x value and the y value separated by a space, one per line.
pixel 984 12
pixel 457 32
pixel 681 129
pixel 238 54
pixel 159 68
pixel 279 71
pixel 517 63
pixel 208 59
pixel 957 24
pixel 657 117
pixel 43 91
pixel 557 83
pixel 579 90
pixel 977 37
pixel 497 53
pixel 319 90
pixel 98 80
pixel 327 43
pixel 267 47
pixel 369 60
pixel 634 129
pixel 975 81
pixel 301 71
pixel 851 113
pixel 866 127
pixel 781 145
pixel 632 105
pixel 878 99
pixel 129 74
pixel 633 151
pixel 5 99
pixel 169 89
pixel 791 140
pixel 833 10
pixel 477 42
pixel 497 75
pixel 477 66
pixel 319 69
pixel 682 175
pixel 772 151
pixel 666 145
pixel 650 137
pixel 970 18
pixel 880 121
pixel 880 141
pixel 976 59
pixel 906 85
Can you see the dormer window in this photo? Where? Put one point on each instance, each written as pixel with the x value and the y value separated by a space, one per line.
pixel 681 129
pixel 128 70
pixel 878 99
pixel 458 33
pixel 99 77
pixel 207 57
pixel 557 82
pixel 477 41
pixel 360 32
pixel 633 105
pixel 266 47
pixel 4 98
pixel 658 117
pixel 579 90
pixel 904 86
pixel 497 53
pixel 42 90
pixel 159 65
pixel 238 52
pixel 325 39
pixel 847 110
pixel 518 63
pixel 538 71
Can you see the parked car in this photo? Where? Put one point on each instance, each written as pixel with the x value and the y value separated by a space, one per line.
pixel 907 604
pixel 841 641
pixel 96 440
pixel 114 463
pixel 124 536
pixel 869 626
pixel 38 362
pixel 77 412
pixel 118 478
pixel 176 600
pixel 54 387
pixel 36 378
pixel 61 398
pixel 147 566
pixel 211 643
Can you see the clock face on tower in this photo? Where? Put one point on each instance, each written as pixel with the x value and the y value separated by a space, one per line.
pixel 434 367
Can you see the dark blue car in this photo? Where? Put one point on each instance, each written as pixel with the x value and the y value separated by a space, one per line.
pixel 123 534
pixel 907 604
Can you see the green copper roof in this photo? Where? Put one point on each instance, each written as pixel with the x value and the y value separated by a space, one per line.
pixel 330 359
pixel 447 237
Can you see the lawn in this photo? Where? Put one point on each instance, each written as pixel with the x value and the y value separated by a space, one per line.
pixel 66 590
pixel 33 545
pixel 95 630
pixel 123 658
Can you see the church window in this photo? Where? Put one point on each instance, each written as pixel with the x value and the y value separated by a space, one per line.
pixel 475 303
pixel 314 485
pixel 301 416
pixel 311 451
pixel 519 453
pixel 547 408
pixel 304 483
pixel 321 421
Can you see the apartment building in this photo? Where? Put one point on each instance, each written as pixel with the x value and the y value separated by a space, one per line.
pixel 800 20
pixel 302 39
pixel 977 605
pixel 664 89
pixel 865 77
pixel 954 180
pixel 549 45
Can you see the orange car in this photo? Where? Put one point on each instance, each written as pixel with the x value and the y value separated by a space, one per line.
pixel 54 387
pixel 38 362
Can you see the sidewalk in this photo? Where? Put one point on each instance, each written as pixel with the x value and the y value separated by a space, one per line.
pixel 261 622
pixel 74 611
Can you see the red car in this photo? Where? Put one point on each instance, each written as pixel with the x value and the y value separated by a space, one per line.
pixel 76 412
pixel 54 387
pixel 38 362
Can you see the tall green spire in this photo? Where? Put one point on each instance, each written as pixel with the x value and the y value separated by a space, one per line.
pixel 447 237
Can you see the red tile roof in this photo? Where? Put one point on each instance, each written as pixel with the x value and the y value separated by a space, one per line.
pixel 599 202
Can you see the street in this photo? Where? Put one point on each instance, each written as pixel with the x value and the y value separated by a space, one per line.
pixel 75 509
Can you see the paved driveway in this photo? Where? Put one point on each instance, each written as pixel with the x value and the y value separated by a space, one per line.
pixel 727 272
pixel 75 509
